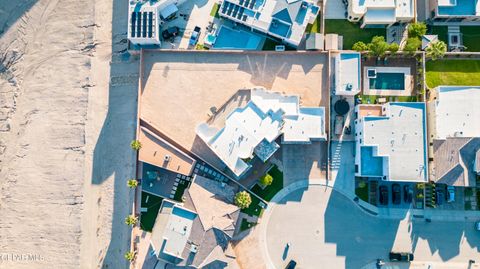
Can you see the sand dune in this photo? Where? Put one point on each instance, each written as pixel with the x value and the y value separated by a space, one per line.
pixel 62 191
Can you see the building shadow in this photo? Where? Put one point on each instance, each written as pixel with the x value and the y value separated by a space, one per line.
pixel 12 11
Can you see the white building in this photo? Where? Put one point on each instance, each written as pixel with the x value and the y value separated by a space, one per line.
pixel 347 73
pixel 454 125
pixel 282 19
pixel 380 12
pixel 391 141
pixel 146 17
pixel 254 128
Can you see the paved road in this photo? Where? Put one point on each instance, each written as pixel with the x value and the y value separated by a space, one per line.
pixel 326 229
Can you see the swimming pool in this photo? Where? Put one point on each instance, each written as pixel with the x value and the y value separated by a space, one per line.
pixel 388 81
pixel 371 165
pixel 228 38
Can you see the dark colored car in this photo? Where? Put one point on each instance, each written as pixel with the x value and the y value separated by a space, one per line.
pixel 407 193
pixel 383 195
pixel 170 32
pixel 400 257
pixel 396 194
pixel 291 264
pixel 440 198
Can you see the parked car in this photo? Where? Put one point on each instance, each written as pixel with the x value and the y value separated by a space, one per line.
pixel 291 264
pixel 396 194
pixel 450 194
pixel 440 197
pixel 407 193
pixel 477 225
pixel 170 32
pixel 339 121
pixel 400 257
pixel 194 37
pixel 383 195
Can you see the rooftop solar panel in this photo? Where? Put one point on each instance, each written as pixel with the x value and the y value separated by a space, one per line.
pixel 133 21
pixel 144 33
pixel 139 23
pixel 150 23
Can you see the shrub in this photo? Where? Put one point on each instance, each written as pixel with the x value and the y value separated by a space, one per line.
pixel 393 48
pixel 136 145
pixel 412 45
pixel 266 180
pixel 132 183
pixel 360 46
pixel 243 199
pixel 362 184
pixel 131 220
pixel 417 30
pixel 130 255
pixel 436 50
pixel 378 46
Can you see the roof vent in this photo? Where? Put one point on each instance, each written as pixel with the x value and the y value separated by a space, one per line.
pixel 193 248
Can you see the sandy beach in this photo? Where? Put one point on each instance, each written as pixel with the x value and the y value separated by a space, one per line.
pixel 67 116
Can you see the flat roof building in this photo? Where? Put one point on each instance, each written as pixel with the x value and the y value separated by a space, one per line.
pixel 282 19
pixel 347 73
pixel 454 124
pixel 391 142
pixel 252 130
pixel 380 12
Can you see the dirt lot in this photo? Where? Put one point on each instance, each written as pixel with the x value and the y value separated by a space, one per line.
pixel 181 88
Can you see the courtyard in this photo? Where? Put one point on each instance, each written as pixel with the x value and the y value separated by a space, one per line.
pixel 180 90
pixel 324 227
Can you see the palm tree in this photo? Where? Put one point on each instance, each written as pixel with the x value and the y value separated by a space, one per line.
pixel 132 183
pixel 436 50
pixel 131 220
pixel 130 255
pixel 136 145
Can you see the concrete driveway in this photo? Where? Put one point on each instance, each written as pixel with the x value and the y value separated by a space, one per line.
pixel 327 230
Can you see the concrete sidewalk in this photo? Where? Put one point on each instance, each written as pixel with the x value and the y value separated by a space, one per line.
pixel 423 265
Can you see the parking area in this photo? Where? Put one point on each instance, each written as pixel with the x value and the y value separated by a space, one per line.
pixel 182 89
pixel 324 227
pixel 190 14
pixel 301 162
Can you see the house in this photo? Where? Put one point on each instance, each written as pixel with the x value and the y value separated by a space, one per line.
pixel 252 130
pixel 146 17
pixel 347 73
pixel 455 10
pixel 391 141
pixel 380 13
pixel 454 135
pixel 197 233
pixel 282 19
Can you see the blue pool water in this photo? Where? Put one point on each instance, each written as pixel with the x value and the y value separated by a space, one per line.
pixel 388 81
pixel 228 38
pixel 462 8
pixel 371 165
pixel 183 213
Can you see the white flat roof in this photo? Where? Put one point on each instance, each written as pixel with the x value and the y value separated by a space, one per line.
pixel 379 10
pixel 400 136
pixel 347 72
pixel 266 116
pixel 177 231
pixel 457 111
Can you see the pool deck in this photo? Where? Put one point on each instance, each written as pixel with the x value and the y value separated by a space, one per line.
pixel 409 81
pixel 181 89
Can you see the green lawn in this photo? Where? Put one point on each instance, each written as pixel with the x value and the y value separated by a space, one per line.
pixel 147 219
pixel 352 32
pixel 362 193
pixel 441 31
pixel 182 186
pixel 471 37
pixel 245 225
pixel 277 184
pixel 254 209
pixel 214 12
pixel 453 72
pixel 315 27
